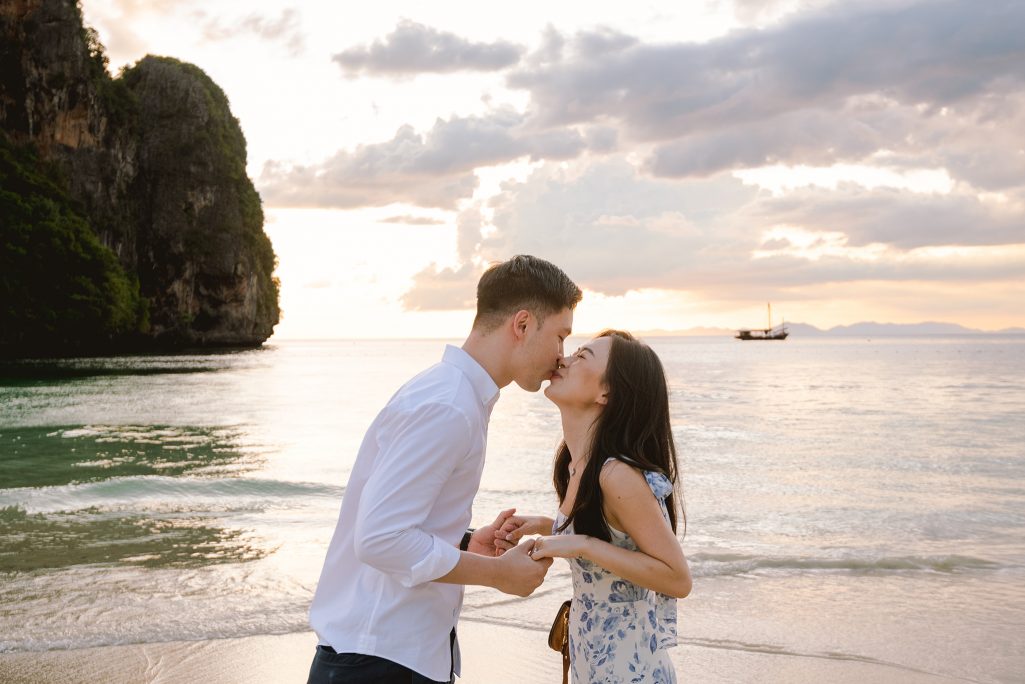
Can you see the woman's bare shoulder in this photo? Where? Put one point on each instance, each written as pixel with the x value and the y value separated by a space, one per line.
pixel 622 480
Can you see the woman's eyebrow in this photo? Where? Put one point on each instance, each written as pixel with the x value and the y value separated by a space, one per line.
pixel 585 349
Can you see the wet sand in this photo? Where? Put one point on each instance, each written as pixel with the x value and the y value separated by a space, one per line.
pixel 492 654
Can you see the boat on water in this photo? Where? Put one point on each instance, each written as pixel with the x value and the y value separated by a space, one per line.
pixel 778 332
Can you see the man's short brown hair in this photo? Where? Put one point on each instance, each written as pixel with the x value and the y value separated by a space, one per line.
pixel 523 282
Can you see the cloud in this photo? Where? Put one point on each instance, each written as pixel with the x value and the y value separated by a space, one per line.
pixel 338 184
pixel 979 144
pixel 821 86
pixel 116 22
pixel 902 219
pixel 411 220
pixel 936 53
pixel 924 86
pixel 609 228
pixel 614 230
pixel 134 9
pixel 448 289
pixel 116 19
pixel 435 169
pixel 285 29
pixel 443 289
pixel 757 11
pixel 413 48
pixel 651 134
pixel 815 137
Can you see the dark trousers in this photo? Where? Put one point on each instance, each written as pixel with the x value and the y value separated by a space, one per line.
pixel 356 668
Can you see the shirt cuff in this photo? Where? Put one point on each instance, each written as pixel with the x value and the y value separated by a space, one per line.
pixel 440 561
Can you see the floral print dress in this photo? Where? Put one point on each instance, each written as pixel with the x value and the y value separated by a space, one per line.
pixel 619 631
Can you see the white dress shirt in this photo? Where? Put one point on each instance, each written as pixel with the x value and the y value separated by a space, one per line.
pixel 405 509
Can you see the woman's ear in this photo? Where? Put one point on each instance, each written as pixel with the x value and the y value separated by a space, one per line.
pixel 603 398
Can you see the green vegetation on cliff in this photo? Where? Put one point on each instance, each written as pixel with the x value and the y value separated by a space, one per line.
pixel 59 287
pixel 127 219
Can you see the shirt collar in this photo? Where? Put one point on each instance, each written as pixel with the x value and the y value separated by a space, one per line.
pixel 485 388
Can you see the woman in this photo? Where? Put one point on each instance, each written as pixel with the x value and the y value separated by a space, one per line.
pixel 615 475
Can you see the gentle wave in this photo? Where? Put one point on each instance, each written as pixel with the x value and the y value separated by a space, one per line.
pixel 726 564
pixel 216 492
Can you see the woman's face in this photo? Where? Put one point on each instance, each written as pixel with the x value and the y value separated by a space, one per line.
pixel 579 384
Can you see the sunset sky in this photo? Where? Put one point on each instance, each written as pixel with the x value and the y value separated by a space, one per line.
pixel 684 162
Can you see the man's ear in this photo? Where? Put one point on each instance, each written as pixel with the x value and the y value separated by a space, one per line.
pixel 521 321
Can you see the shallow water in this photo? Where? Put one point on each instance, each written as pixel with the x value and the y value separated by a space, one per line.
pixel 846 499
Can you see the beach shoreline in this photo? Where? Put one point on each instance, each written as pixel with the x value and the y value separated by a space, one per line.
pixel 491 654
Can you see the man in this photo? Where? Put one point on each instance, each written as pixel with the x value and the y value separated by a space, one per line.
pixel 391 589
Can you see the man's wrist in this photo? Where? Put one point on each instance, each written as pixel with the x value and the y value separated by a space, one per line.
pixel 464 543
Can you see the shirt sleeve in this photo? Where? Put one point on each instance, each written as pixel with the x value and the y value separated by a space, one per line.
pixel 419 451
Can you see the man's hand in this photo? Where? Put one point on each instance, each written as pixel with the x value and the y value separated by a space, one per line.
pixel 485 540
pixel 519 573
pixel 518 526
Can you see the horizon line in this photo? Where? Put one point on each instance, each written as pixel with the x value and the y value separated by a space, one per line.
pixel 694 331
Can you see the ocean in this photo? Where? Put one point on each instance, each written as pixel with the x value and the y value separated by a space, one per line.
pixel 848 499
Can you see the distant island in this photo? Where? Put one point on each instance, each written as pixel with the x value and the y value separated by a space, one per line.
pixel 127 220
pixel 864 329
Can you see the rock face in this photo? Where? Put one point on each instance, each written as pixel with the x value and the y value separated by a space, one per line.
pixel 156 163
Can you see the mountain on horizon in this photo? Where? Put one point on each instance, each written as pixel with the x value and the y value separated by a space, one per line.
pixel 870 328
pixel 862 329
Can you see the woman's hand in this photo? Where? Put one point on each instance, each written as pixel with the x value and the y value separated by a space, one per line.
pixel 560 546
pixel 515 527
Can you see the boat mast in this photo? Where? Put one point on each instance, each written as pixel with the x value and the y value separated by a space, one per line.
pixel 769 304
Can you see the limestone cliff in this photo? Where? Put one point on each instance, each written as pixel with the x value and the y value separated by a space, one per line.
pixel 154 162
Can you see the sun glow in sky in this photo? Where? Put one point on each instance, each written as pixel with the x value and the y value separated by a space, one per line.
pixel 683 162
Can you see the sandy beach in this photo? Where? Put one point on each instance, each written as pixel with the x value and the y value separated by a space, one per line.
pixel 492 654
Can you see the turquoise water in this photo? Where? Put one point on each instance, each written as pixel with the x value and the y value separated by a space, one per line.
pixel 848 499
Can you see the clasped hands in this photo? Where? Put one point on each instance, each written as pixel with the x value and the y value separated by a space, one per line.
pixel 508 529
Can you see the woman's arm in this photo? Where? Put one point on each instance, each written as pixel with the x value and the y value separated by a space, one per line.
pixel 631 507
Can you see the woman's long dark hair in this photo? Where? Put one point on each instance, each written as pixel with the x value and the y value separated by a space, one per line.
pixel 633 428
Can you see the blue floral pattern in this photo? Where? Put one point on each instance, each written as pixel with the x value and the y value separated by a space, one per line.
pixel 619 631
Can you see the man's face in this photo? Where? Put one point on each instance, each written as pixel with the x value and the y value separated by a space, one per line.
pixel 542 350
